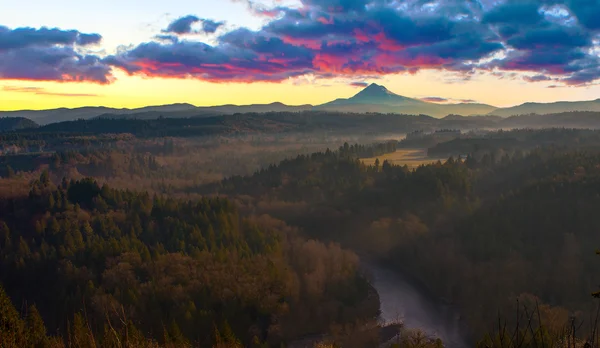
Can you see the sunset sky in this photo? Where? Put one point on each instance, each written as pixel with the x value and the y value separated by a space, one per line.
pixel 68 53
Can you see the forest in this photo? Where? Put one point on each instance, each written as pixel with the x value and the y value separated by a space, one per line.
pixel 151 237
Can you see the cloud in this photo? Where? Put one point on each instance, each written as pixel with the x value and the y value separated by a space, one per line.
pixel 50 55
pixel 537 78
pixel 42 91
pixel 242 56
pixel 435 100
pixel 183 25
pixel 513 12
pixel 441 100
pixel 361 84
pixel 586 11
pixel 259 9
pixel 18 38
pixel 326 38
pixel 53 63
pixel 210 26
pixel 349 39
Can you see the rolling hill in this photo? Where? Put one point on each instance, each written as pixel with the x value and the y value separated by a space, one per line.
pixel 372 99
pixel 8 124
pixel 44 117
pixel 548 108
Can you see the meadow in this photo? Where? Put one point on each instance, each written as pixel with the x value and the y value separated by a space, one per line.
pixel 410 157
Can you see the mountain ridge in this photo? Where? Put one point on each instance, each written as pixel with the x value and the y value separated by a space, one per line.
pixel 374 98
pixel 548 108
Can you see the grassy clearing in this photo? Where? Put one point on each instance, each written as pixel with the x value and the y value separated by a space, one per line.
pixel 411 157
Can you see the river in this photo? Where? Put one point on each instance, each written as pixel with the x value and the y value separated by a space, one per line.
pixel 401 301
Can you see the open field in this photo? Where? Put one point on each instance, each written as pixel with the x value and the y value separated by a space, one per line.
pixel 411 157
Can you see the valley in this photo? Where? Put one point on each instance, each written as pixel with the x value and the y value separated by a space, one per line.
pixel 300 174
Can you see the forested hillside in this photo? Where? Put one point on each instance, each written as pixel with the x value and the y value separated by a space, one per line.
pixel 173 269
pixel 8 124
pixel 234 240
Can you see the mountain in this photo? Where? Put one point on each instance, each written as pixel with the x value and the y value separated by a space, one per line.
pixel 377 98
pixel 548 108
pixel 375 94
pixel 8 124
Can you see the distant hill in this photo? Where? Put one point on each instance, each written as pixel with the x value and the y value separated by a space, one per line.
pixel 273 107
pixel 547 108
pixel 573 119
pixel 207 111
pixel 149 112
pixel 377 98
pixel 64 114
pixel 8 124
pixel 321 122
pixel 372 99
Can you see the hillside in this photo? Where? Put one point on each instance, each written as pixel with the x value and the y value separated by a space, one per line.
pixel 8 124
pixel 44 117
pixel 548 108
pixel 307 122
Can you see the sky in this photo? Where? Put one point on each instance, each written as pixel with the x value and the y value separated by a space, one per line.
pixel 67 53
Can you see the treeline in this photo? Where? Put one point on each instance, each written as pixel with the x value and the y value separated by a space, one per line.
pixel 274 122
pixel 367 151
pixel 516 140
pixel 172 270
